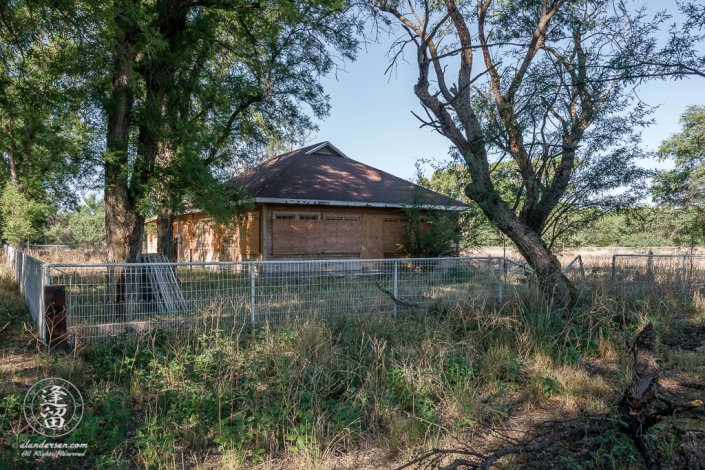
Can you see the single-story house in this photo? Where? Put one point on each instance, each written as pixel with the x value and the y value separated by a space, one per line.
pixel 312 203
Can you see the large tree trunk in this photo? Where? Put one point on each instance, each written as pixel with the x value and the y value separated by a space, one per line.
pixel 124 226
pixel 11 154
pixel 555 286
pixel 13 170
pixel 165 234
pixel 29 135
pixel 158 143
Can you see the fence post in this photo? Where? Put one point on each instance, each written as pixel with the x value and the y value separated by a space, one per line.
pixel 41 315
pixel 613 258
pixel 501 268
pixel 396 266
pixel 252 293
pixel 684 285
pixel 23 286
pixel 55 311
pixel 582 269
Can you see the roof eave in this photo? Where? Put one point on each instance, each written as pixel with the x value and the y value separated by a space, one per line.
pixel 275 200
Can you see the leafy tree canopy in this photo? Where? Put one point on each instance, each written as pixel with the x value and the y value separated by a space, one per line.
pixel 23 219
pixel 83 226
pixel 683 188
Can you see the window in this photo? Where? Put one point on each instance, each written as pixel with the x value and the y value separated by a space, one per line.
pixel 308 217
pixel 352 218
pixel 391 220
pixel 334 218
pixel 287 217
pixel 249 217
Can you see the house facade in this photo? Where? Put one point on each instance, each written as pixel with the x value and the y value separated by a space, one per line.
pixel 313 203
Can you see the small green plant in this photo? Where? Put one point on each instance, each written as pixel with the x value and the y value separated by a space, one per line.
pixel 459 371
pixel 544 385
pixel 499 410
pixel 614 448
pixel 413 394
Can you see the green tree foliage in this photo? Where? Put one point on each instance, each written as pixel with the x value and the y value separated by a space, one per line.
pixel 683 188
pixel 23 219
pixel 431 231
pixel 190 80
pixel 640 228
pixel 182 91
pixel 48 136
pixel 477 228
pixel 83 226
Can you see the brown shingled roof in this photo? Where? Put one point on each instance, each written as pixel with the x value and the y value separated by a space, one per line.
pixel 321 172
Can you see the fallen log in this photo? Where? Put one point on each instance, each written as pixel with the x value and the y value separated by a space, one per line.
pixel 631 417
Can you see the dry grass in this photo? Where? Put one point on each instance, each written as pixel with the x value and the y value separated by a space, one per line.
pixel 78 255
pixel 367 391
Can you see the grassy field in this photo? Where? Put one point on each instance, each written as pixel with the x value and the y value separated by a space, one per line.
pixel 368 391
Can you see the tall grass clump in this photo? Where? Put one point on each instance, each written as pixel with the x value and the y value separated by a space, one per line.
pixel 303 392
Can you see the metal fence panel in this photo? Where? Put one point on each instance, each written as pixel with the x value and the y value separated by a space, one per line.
pixel 30 273
pixel 106 299
pixel 103 299
pixel 638 274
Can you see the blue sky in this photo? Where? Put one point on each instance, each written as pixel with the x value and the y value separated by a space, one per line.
pixel 371 120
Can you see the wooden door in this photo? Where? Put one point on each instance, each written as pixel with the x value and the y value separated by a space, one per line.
pixel 372 236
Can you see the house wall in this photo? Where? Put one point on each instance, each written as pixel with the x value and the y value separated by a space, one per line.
pixel 283 231
pixel 197 239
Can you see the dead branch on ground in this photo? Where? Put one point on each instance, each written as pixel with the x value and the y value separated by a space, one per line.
pixel 407 304
pixel 640 408
pixel 12 319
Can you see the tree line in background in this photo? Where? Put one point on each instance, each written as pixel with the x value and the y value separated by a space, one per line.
pixel 677 217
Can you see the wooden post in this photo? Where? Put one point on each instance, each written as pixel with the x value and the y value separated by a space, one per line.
pixel 55 305
pixel 684 284
pixel 613 258
pixel 177 245
pixel 650 264
pixel 263 232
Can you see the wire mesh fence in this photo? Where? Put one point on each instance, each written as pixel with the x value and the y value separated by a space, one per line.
pixel 103 299
pixel 107 299
pixel 575 271
pixel 30 273
pixel 638 274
